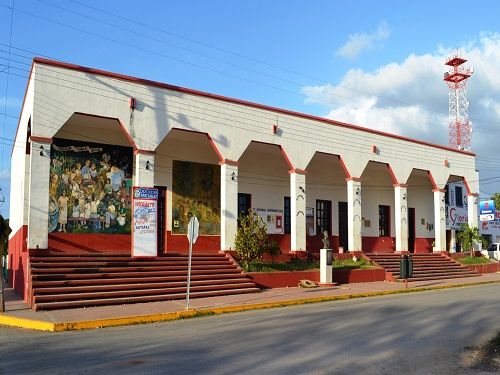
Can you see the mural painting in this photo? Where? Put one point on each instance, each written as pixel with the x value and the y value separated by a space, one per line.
pixel 195 191
pixel 90 185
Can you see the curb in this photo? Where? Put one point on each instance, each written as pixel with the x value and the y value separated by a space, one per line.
pixel 40 325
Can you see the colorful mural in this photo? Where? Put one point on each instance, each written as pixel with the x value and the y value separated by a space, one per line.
pixel 195 191
pixel 90 186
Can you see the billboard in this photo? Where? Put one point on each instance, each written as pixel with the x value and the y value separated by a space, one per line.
pixel 144 221
pixel 487 210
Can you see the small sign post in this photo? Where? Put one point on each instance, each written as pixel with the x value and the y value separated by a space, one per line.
pixel 192 235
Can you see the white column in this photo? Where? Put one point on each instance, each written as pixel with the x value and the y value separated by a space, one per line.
pixel 298 210
pixel 144 169
pixel 453 242
pixel 401 217
pixel 38 206
pixel 354 214
pixel 228 205
pixel 472 210
pixel 439 220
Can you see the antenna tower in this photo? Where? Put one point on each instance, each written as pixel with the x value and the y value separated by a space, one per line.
pixel 460 128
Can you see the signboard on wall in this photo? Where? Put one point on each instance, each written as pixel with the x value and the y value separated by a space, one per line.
pixel 144 222
pixel 487 210
pixel 273 218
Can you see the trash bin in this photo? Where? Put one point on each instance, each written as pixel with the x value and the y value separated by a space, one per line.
pixel 403 267
pixel 410 266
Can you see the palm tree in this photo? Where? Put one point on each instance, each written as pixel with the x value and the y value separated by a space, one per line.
pixel 468 236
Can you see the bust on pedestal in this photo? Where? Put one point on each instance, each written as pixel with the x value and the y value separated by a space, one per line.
pixel 326 261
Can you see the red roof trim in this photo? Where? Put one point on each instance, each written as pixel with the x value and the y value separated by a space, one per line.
pixel 238 101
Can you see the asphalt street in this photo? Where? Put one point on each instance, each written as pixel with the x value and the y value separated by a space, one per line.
pixel 420 333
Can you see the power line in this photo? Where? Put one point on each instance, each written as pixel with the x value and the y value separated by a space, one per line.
pixel 193 64
pixel 228 52
pixel 6 90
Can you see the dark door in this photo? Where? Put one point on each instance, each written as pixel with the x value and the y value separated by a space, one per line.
pixel 411 230
pixel 244 203
pixel 287 218
pixel 323 217
pixel 343 231
pixel 161 220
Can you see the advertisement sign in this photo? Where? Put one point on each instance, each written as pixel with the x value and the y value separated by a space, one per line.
pixel 455 216
pixel 144 222
pixel 273 218
pixel 487 210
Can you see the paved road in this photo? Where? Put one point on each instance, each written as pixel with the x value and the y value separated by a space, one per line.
pixel 421 333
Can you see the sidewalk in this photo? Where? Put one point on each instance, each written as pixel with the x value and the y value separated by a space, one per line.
pixel 19 315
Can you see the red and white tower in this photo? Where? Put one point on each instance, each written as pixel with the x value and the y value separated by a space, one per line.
pixel 460 128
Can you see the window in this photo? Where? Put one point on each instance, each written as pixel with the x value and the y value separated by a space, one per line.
pixel 244 203
pixel 384 223
pixel 323 217
pixel 287 217
pixel 459 199
pixel 447 194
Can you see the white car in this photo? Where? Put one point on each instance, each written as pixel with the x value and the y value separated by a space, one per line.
pixel 493 251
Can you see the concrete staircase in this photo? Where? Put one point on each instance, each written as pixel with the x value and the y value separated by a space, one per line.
pixel 425 266
pixel 62 280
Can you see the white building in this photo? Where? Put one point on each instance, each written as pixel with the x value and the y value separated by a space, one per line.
pixel 215 157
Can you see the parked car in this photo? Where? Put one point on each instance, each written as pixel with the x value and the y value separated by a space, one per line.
pixel 493 251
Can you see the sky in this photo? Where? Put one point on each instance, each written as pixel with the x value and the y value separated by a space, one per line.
pixel 374 64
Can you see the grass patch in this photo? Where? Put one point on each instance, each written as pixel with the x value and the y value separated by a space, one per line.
pixel 475 260
pixel 300 265
pixel 294 265
pixel 349 264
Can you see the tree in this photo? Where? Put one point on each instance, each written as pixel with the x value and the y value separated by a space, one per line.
pixel 252 240
pixel 468 236
pixel 496 198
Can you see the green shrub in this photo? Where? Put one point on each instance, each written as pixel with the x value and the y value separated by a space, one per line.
pixel 252 240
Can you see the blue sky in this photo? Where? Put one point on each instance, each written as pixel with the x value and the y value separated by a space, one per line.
pixel 376 64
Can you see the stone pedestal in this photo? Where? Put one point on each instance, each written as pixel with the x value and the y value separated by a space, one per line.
pixel 325 268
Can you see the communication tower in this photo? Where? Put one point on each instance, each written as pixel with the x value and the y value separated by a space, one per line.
pixel 460 128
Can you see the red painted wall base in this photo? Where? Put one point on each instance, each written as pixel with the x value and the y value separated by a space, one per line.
pixel 423 245
pixel 90 242
pixel 378 244
pixel 18 262
pixel 178 243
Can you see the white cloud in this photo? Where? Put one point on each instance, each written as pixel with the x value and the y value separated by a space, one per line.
pixel 361 42
pixel 410 98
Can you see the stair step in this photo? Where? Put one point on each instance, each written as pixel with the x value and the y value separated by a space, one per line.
pixel 425 266
pixel 60 280
pixel 139 299
pixel 84 269
pixel 68 259
pixel 130 274
pixel 157 279
pixel 141 285
pixel 138 292
pixel 129 263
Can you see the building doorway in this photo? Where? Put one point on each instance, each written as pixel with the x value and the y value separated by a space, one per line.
pixel 162 219
pixel 411 230
pixel 343 231
pixel 244 203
